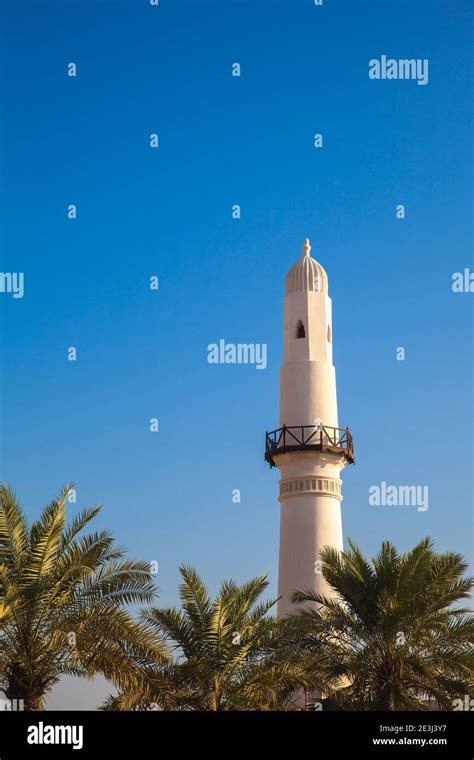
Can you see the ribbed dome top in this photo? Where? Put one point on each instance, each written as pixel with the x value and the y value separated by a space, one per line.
pixel 306 274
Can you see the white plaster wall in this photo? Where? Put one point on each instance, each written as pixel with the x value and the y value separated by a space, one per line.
pixel 308 393
pixel 307 523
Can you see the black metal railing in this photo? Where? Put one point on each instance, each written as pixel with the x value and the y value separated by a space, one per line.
pixel 309 438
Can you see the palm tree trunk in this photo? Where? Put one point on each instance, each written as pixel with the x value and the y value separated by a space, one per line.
pixel 34 702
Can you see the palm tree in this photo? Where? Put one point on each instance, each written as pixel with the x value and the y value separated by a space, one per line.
pixel 226 652
pixel 63 603
pixel 393 637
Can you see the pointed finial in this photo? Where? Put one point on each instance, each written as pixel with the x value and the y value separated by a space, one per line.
pixel 306 248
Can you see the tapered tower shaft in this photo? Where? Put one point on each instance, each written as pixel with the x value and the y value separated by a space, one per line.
pixel 309 448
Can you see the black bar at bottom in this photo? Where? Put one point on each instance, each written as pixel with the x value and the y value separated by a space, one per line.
pixel 123 735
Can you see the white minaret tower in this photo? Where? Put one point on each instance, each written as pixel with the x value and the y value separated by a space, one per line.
pixel 309 448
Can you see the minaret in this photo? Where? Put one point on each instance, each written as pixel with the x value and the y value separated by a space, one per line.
pixel 309 448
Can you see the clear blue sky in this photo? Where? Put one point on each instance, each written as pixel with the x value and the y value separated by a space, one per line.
pixel 225 141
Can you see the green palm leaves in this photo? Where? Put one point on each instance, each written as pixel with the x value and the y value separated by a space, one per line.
pixel 226 651
pixel 395 636
pixel 62 600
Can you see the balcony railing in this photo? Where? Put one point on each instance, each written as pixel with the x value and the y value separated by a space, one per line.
pixel 309 438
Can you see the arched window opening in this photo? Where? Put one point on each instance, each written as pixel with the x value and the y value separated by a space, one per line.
pixel 300 331
pixel 329 333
